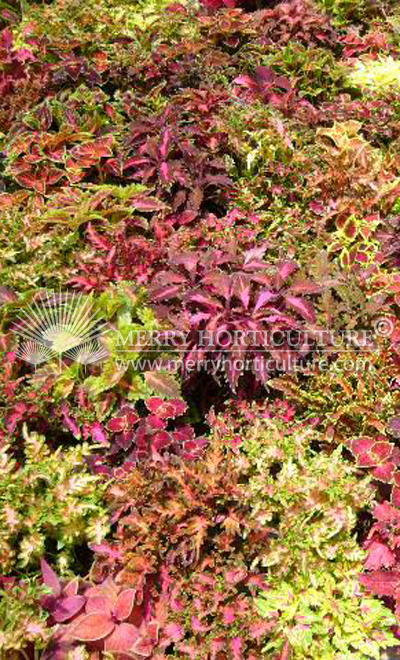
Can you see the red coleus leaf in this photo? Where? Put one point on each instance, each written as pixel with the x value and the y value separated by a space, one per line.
pixel 166 409
pixel 361 445
pixel 92 627
pixel 381 450
pixel 384 472
pixel 379 555
pixel 124 605
pixel 387 514
pixel 381 583
pixel 117 424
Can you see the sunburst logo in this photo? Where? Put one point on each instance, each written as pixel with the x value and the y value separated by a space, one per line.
pixel 61 325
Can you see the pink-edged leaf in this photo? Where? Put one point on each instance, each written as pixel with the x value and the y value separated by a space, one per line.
pixel 66 608
pixel 188 260
pixel 124 605
pixel 379 556
pixel 381 583
pixel 234 576
pixel 166 292
pixel 237 648
pixel 98 433
pixel 50 578
pixel 203 299
pixel 361 445
pixel 382 450
pixel 122 639
pixel 117 424
pixel 305 287
pixel 304 307
pixel 255 254
pixel 92 627
pixel 166 172
pixel 384 472
pixel 166 409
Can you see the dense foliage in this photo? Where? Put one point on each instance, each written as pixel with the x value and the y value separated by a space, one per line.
pixel 199 329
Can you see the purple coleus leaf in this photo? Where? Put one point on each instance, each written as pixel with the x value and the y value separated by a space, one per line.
pixel 50 578
pixel 66 608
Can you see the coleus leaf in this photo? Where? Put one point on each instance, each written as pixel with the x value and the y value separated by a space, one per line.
pixel 302 306
pixel 161 383
pixel 92 627
pixel 122 639
pixel 264 298
pixel 166 409
pixel 50 578
pixel 145 644
pixel 124 605
pixel 66 608
pixel 381 583
pixel 285 270
pixel 379 555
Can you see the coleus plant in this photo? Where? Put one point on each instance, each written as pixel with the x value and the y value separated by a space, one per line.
pixel 185 536
pixel 171 154
pixel 383 457
pixel 139 438
pixel 295 20
pixel 382 576
pixel 277 90
pixel 106 617
pixel 232 309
